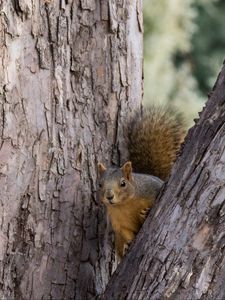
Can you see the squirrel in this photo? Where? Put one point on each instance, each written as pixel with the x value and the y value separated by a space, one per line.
pixel 154 139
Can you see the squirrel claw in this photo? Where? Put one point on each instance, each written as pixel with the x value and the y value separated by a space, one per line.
pixel 126 247
pixel 144 213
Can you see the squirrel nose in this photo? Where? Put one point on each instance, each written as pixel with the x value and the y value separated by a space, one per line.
pixel 109 195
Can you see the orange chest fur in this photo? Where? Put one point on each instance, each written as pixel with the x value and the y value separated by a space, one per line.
pixel 126 217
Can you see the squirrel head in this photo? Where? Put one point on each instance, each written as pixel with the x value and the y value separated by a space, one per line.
pixel 116 185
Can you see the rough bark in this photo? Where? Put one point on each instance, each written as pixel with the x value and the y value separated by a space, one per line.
pixel 180 251
pixel 70 73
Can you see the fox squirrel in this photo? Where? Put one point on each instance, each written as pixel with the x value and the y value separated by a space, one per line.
pixel 154 140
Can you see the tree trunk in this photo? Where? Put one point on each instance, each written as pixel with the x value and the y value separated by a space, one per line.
pixel 180 251
pixel 70 73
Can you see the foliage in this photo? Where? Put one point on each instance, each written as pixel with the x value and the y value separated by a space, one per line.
pixel 183 46
pixel 209 42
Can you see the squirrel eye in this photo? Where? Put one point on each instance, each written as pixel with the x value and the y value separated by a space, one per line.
pixel 100 185
pixel 123 183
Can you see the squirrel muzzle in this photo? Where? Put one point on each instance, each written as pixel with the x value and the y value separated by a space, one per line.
pixel 109 195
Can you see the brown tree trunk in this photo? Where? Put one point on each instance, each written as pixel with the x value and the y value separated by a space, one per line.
pixel 180 251
pixel 70 73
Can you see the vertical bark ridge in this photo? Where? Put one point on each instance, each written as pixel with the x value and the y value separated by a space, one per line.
pixel 65 89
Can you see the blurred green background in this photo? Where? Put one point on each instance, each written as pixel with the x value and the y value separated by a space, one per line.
pixel 184 48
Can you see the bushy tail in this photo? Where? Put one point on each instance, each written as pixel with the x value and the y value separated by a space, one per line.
pixel 155 136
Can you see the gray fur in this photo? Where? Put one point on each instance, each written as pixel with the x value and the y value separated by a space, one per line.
pixel 143 182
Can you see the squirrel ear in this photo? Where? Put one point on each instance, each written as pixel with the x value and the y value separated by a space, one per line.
pixel 101 169
pixel 127 170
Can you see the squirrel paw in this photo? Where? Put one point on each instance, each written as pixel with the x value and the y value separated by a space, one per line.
pixel 126 247
pixel 144 213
